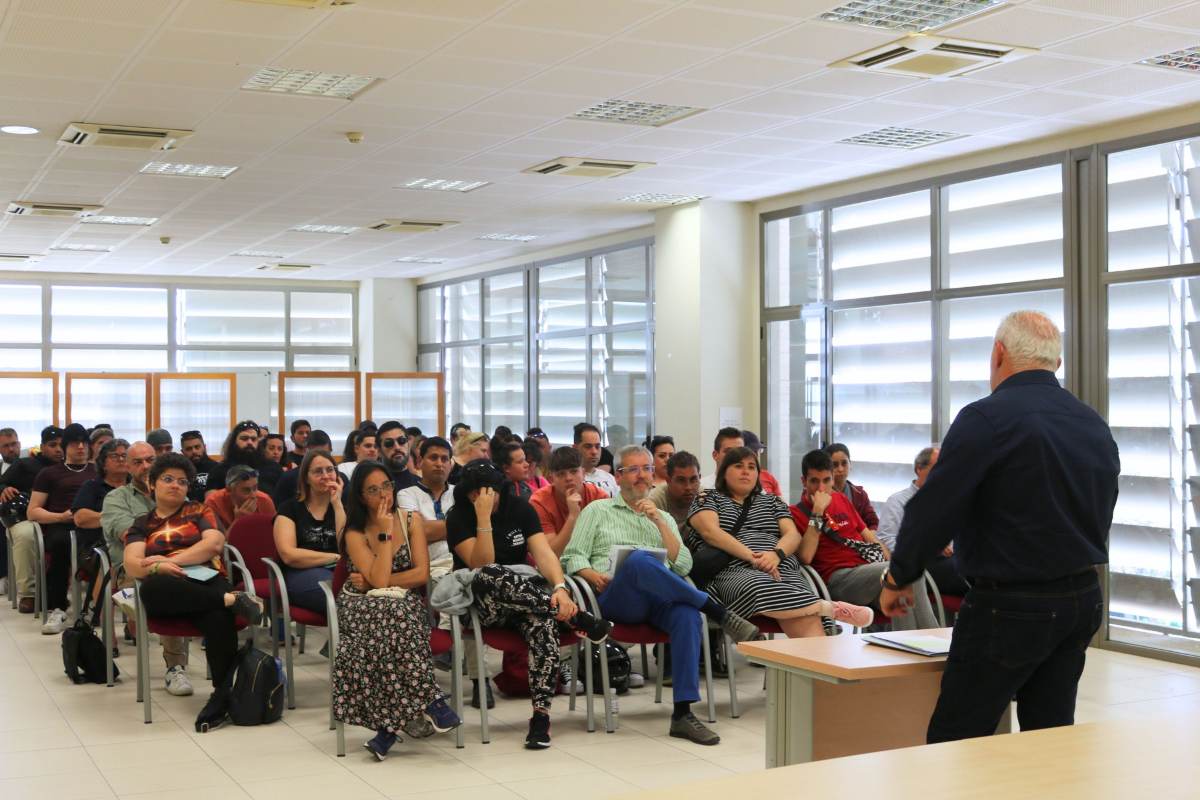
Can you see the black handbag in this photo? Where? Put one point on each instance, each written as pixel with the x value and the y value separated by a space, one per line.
pixel 707 560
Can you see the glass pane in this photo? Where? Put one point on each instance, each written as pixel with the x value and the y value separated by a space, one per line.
pixel 882 395
pixel 224 317
pixel 619 287
pixel 62 360
pixel 794 398
pixel 881 247
pixel 462 311
pixel 121 402
pixel 1006 228
pixel 561 297
pixel 21 321
pixel 1154 206
pixel 464 387
pixel 322 318
pixel 412 401
pixel 327 403
pixel 1152 374
pixel 622 397
pixel 971 328
pixel 228 360
pixel 505 298
pixel 429 362
pixel 429 316
pixel 108 314
pixel 335 362
pixel 562 386
pixel 793 258
pixel 203 405
pixel 14 360
pixel 28 405
pixel 504 386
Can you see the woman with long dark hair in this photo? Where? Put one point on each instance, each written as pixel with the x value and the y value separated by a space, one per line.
pixel 306 531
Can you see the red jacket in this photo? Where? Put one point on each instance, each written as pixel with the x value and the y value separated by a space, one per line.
pixel 862 504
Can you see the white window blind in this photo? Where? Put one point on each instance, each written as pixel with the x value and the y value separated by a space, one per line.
pixel 793 255
pixel 1154 206
pixel 620 391
pixel 562 296
pixel 619 287
pixel 562 386
pixel 28 405
pixel 881 247
pixel 462 311
pixel 464 385
pixel 504 298
pixel 429 316
pixel 216 317
pixel 795 400
pixel 108 315
pixel 322 318
pixel 21 321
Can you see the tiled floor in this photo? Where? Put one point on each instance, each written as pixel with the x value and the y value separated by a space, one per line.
pixel 65 742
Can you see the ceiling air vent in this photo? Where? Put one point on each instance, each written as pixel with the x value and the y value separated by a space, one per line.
pixel 587 167
pixel 83 134
pixel 409 225
pixel 29 208
pixel 922 55
pixel 286 267
pixel 19 258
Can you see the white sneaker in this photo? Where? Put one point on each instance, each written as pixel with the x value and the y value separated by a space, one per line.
pixel 3 585
pixel 178 683
pixel 636 680
pixel 55 623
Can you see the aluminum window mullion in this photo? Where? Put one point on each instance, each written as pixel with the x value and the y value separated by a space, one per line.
pixel 939 251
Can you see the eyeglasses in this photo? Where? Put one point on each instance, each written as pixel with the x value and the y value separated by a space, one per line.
pixel 118 457
pixel 637 470
pixel 167 480
pixel 390 443
pixel 141 461
pixel 322 471
pixel 379 488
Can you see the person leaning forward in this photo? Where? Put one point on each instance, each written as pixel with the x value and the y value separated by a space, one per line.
pixel 1025 486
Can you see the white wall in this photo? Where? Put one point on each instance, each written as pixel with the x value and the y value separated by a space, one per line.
pixel 387 325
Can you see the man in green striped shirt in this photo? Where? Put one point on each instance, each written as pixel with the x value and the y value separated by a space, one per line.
pixel 645 590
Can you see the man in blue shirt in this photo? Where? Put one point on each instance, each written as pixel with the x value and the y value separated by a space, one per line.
pixel 1025 486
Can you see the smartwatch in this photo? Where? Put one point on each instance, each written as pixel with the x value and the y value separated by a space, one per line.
pixel 885 583
pixel 558 586
pixel 383 537
pixel 780 554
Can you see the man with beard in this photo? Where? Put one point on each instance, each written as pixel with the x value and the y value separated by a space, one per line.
pixel 300 431
pixel 10 449
pixel 121 507
pixel 241 447
pixel 196 450
pixel 17 480
pixel 393 451
pixel 682 487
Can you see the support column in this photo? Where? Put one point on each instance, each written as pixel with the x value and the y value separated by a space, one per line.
pixel 387 325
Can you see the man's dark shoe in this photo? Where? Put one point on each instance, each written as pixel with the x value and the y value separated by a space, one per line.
pixel 491 700
pixel 692 729
pixel 25 605
pixel 215 711
pixel 539 732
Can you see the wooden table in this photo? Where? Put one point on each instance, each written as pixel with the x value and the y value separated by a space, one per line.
pixel 837 696
pixel 1116 760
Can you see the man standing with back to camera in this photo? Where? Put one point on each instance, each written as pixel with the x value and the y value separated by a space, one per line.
pixel 1025 486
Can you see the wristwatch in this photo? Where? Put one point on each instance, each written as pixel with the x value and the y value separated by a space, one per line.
pixel 885 583
pixel 558 586
pixel 384 537
pixel 780 554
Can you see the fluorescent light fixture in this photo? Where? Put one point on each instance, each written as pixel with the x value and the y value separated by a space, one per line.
pixel 259 254
pixel 340 229
pixel 307 82
pixel 901 138
pixel 83 248
pixel 635 112
pixel 18 130
pixel 419 260
pixel 443 184
pixel 508 237
pixel 188 170
pixel 907 15
pixel 107 219
pixel 659 199
pixel 1187 59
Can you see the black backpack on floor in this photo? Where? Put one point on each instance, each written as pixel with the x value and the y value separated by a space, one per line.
pixel 259 687
pixel 84 656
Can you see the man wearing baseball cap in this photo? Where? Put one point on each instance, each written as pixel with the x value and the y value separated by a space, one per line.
pixel 17 480
pixel 160 439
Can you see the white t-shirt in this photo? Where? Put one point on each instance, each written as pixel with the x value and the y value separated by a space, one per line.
pixel 416 498
pixel 604 480
pixel 347 469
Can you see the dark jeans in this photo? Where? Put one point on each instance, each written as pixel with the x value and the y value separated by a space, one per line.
pixel 1023 641
pixel 303 587
pixel 57 540
pixel 203 605
pixel 944 572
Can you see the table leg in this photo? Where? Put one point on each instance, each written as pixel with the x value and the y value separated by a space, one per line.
pixel 789 718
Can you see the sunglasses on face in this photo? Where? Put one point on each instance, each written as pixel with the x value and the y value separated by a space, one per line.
pixel 390 443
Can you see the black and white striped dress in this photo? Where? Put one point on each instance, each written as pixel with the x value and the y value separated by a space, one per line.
pixel 739 587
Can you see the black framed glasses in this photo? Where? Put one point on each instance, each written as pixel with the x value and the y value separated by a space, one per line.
pixel 391 442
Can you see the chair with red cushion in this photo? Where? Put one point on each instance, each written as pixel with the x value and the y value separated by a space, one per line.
pixel 248 540
pixel 943 604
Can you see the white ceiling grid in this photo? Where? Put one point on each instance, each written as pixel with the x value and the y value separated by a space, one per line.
pixel 481 89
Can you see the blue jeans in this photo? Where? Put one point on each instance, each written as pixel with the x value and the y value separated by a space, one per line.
pixel 303 587
pixel 1026 642
pixel 645 591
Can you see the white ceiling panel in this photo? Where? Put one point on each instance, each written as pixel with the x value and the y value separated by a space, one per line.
pixel 343 59
pixel 1037 70
pixel 856 83
pixel 580 16
pixel 217 48
pixel 822 41
pixel 1115 9
pixel 256 19
pixel 1031 27
pixel 705 28
pixel 356 25
pixel 1127 43
pixel 1186 16
pixel 525 45
pixel 789 104
pixel 642 57
pixel 759 72
pixel 1129 81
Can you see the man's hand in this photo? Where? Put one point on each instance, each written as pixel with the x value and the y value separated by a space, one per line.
pixel 563 605
pixel 8 494
pixel 598 580
pixel 248 506
pixel 768 562
pixel 574 503
pixel 896 603
pixel 66 516
pixel 647 509
pixel 820 502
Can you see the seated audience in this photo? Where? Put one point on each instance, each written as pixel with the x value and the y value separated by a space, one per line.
pixel 239 498
pixel 857 495
pixel 457 430
pixel 383 672
pixel 534 456
pixel 18 480
pixel 98 437
pixel 682 487
pixel 300 430
pixel 193 446
pixel 288 487
pixel 543 441
pixel 272 448
pixel 559 503
pixel 160 439
pixel 306 531
pixel 844 551
pixel 726 439
pixel 241 447
pixel 432 498
pixel 10 449
pixel 394 452
pixel 764 576
pixel 113 467
pixel 587 442
pixel 502 435
pixel 175 550
pixel 646 589
pixel 469 446
pixel 662 448
pixel 510 458
pixel 769 484
pixel 360 446
pixel 491 529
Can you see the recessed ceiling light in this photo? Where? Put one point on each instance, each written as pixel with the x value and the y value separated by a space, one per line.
pixel 656 198
pixel 302 81
pixel 188 170
pixel 419 260
pixel 341 229
pixel 18 130
pixel 907 15
pixel 105 219
pixel 634 112
pixel 443 184
pixel 902 138
pixel 1187 59
pixel 508 237
pixel 83 248
pixel 259 254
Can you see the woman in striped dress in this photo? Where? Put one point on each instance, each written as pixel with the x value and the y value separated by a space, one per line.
pixel 764 578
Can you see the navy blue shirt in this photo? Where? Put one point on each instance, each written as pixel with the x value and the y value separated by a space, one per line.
pixel 1025 486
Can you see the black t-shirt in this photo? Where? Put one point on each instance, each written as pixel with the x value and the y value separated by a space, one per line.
pixel 406 479
pixel 91 496
pixel 198 487
pixel 312 533
pixel 21 474
pixel 293 458
pixel 269 474
pixel 512 525
pixel 606 458
pixel 60 483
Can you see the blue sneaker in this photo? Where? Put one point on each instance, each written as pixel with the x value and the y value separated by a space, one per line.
pixel 441 716
pixel 380 744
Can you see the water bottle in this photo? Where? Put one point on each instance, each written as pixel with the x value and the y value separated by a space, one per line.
pixel 611 700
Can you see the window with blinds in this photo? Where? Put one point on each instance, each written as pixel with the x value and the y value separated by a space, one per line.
pixel 881 247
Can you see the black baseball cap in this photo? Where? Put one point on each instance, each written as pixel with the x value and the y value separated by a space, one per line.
pixel 75 433
pixel 51 432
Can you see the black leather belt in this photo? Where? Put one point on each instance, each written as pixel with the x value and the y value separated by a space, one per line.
pixel 1080 580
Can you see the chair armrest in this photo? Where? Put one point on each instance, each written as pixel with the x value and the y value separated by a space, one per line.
pixel 330 617
pixel 233 557
pixel 585 590
pixel 818 584
pixel 275 578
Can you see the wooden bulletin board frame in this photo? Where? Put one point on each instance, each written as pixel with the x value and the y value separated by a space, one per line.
pixel 159 377
pixel 52 377
pixel 284 375
pixel 71 377
pixel 441 391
